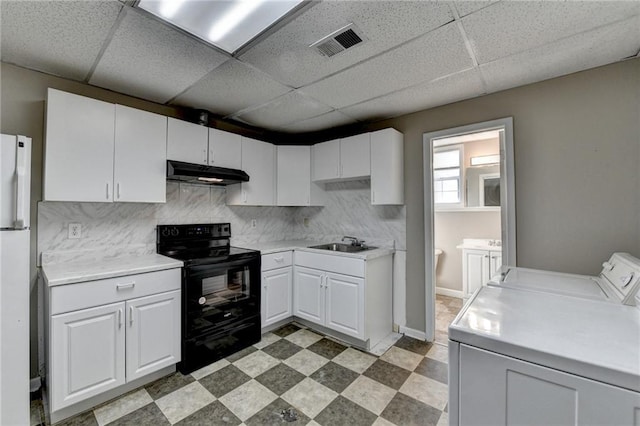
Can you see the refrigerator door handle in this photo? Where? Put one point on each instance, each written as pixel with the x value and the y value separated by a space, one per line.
pixel 21 167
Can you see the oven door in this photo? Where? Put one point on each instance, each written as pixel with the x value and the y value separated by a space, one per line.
pixel 216 295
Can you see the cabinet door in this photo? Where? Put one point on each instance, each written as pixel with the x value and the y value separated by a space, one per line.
pixel 345 304
pixel 308 294
pixel 495 262
pixel 475 269
pixel 140 157
pixel 259 161
pixel 276 295
pixel 387 167
pixel 78 159
pixel 326 160
pixel 187 142
pixel 87 354
pixel 498 390
pixel 225 149
pixel 153 333
pixel 355 157
pixel 294 175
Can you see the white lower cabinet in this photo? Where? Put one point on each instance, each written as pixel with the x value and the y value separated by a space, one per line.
pixel 493 389
pixel 349 295
pixel 277 287
pixel 88 349
pixel 478 266
pixel 309 297
pixel 344 310
pixel 153 333
pixel 93 349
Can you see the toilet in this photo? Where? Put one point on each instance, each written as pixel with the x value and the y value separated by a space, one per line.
pixel 437 252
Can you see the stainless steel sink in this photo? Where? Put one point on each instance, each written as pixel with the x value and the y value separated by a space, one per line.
pixel 345 248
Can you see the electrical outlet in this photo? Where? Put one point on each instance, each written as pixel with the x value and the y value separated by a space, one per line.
pixel 305 221
pixel 75 230
pixel 254 223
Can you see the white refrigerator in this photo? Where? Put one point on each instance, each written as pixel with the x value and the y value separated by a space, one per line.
pixel 15 187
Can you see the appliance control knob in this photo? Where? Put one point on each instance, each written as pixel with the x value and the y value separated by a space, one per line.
pixel 202 300
pixel 174 232
pixel 165 232
pixel 608 266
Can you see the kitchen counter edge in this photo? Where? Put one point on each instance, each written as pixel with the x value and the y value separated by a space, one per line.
pixel 76 272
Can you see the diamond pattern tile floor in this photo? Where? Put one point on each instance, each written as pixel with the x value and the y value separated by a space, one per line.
pixel 325 382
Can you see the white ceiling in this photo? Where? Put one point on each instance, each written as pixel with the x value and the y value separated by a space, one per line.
pixel 417 55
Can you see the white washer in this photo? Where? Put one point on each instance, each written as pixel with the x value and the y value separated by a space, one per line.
pixel 537 347
pixel 618 282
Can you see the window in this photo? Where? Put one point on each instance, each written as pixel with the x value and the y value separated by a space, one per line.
pixel 447 175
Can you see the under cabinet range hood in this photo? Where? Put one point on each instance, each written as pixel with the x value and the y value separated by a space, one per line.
pixel 204 175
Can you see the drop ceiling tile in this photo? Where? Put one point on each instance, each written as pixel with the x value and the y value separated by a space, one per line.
pixel 467 7
pixel 57 37
pixel 288 108
pixel 457 87
pixel 286 54
pixel 437 54
pixel 321 122
pixel 231 87
pixel 583 51
pixel 152 61
pixel 510 27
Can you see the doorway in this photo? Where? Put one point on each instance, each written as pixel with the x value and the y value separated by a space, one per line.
pixel 468 171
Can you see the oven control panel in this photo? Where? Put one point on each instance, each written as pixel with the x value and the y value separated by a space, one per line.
pixel 207 230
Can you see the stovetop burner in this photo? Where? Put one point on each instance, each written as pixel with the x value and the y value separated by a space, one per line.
pixel 200 243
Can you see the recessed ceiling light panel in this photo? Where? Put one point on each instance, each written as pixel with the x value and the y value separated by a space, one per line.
pixel 227 24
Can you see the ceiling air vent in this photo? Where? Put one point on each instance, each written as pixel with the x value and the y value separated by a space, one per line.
pixel 339 41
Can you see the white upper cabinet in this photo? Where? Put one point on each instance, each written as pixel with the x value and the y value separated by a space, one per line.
pixel 387 167
pixel 187 142
pixel 355 157
pixel 342 159
pixel 294 186
pixel 78 159
pixel 140 161
pixel 225 149
pixel 100 152
pixel 259 162
pixel 326 160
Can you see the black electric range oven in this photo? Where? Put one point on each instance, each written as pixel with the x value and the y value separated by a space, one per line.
pixel 220 291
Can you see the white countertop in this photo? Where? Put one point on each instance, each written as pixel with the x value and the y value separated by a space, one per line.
pixel 480 244
pixel 75 272
pixel 287 245
pixel 592 339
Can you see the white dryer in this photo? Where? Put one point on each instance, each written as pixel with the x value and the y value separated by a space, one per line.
pixel 618 282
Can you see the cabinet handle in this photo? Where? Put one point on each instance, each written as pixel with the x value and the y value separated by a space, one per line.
pixel 204 154
pixel 125 286
pixel 279 259
pixel 119 318
pixel 118 189
pixel 130 316
pixel 212 157
pixel 107 193
pixel 244 196
pixel 486 256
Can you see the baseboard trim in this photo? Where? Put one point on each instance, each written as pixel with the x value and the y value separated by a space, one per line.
pixel 34 384
pixel 411 332
pixel 448 292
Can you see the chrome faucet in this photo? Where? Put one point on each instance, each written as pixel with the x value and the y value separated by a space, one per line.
pixel 354 241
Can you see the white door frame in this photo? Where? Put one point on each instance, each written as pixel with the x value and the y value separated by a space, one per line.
pixel 507 204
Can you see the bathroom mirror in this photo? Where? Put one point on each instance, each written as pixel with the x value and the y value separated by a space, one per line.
pixel 482 187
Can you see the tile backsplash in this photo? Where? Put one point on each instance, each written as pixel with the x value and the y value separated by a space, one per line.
pixel 116 229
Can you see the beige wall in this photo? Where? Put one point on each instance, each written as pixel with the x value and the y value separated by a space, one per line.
pixel 577 151
pixel 449 230
pixel 479 148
